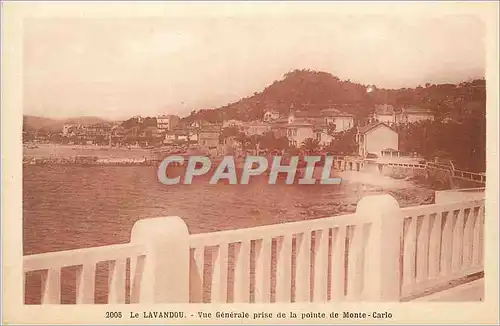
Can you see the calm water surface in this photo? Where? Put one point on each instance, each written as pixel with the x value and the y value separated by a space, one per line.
pixel 68 207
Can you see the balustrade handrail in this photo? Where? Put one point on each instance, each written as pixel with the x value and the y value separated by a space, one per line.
pixel 273 230
pixel 479 189
pixel 439 208
pixel 66 258
pixel 475 176
pixel 58 259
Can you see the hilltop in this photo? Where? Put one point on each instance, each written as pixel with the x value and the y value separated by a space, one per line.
pixel 313 90
pixel 55 125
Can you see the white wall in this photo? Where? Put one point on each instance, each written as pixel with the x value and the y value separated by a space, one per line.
pixel 380 138
pixel 460 195
pixel 271 115
pixel 302 134
pixel 193 137
pixel 341 123
pixel 325 138
pixel 344 123
pixel 257 129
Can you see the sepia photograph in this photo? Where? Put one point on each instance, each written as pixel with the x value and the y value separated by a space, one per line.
pixel 277 157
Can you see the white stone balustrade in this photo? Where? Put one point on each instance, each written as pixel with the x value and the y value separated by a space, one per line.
pixel 380 253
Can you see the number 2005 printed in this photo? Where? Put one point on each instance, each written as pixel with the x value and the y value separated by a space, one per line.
pixel 113 314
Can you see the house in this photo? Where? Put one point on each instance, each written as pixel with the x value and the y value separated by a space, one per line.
pixel 193 136
pixel 117 134
pixel 149 132
pixel 279 130
pixel 167 122
pixel 98 133
pixel 67 129
pixel 176 136
pixel 317 124
pixel 389 115
pixel 413 114
pixel 330 118
pixel 375 138
pixel 337 120
pixel 298 131
pixel 256 128
pixel 149 135
pixel 384 113
pixel 322 136
pixel 390 152
pixel 209 136
pixel 271 116
pixel 232 123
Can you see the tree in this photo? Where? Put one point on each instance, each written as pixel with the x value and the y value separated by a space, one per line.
pixel 253 141
pixel 267 140
pixel 310 145
pixel 270 142
pixel 130 123
pixel 344 142
pixel 282 143
pixel 462 142
pixel 243 140
pixel 149 122
pixel 229 132
pixel 331 128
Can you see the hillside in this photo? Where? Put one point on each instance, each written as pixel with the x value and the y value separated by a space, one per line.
pixel 55 125
pixel 313 90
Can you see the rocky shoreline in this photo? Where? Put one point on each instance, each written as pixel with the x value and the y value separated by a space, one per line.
pixel 405 197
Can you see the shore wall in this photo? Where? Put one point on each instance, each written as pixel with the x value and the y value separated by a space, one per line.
pixel 459 195
pixel 90 160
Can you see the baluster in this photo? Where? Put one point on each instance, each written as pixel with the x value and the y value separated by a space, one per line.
pixel 446 243
pixel 196 278
pixel 458 236
pixel 284 269
pixel 354 264
pixel 263 271
pixel 85 283
pixel 476 235
pixel 337 291
pixel 116 281
pixel 435 245
pixel 481 237
pixel 242 272
pixel 137 272
pixel 303 264
pixel 422 248
pixel 410 246
pixel 51 286
pixel 219 274
pixel 320 265
pixel 468 237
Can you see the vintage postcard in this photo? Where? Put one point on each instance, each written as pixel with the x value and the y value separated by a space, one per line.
pixel 249 162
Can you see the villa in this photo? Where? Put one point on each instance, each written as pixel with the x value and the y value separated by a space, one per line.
pixel 378 139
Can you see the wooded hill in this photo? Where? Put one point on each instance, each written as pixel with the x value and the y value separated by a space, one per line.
pixel 315 90
pixel 31 123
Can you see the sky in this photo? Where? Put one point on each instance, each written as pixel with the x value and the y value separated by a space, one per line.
pixel 118 68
